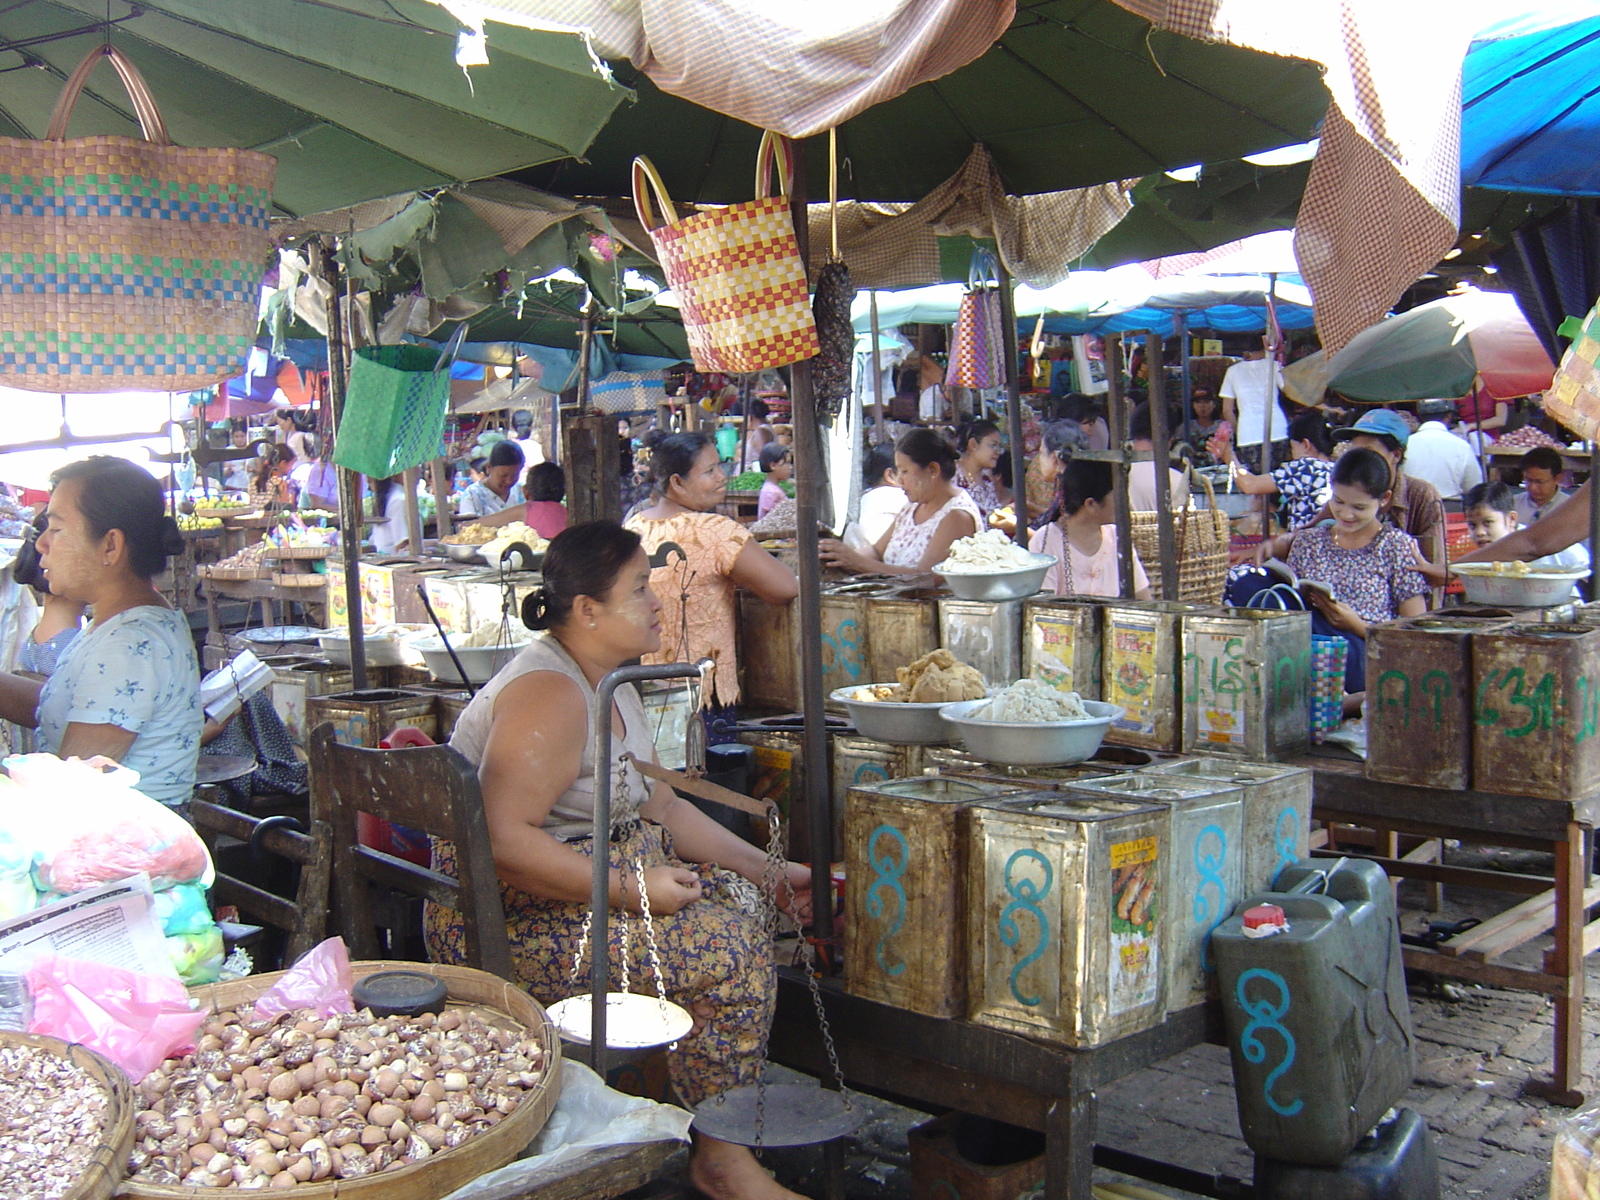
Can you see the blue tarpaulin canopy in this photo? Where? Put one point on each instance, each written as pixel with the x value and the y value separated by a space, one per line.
pixel 1530 109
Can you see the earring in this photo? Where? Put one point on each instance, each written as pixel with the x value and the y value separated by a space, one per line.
pixel 592 625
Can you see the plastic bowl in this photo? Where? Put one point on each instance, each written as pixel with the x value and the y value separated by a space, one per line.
pixel 1537 589
pixel 998 585
pixel 382 649
pixel 891 721
pixel 1051 744
pixel 481 662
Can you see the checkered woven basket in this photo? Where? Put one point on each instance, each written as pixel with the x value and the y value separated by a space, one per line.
pixel 1327 684
pixel 127 263
pixel 736 271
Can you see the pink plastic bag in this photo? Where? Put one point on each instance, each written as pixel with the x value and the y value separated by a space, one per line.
pixel 134 1020
pixel 321 980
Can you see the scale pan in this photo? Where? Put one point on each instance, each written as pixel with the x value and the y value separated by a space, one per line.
pixel 632 1022
pixel 797 1114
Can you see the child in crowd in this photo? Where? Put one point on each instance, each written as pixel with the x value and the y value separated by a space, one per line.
pixel 777 464
pixel 1369 567
pixel 1083 539
pixel 1491 512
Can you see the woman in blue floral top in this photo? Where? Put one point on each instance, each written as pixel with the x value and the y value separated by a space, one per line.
pixel 1302 481
pixel 128 687
pixel 1369 567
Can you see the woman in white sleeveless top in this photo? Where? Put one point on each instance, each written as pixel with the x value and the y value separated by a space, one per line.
pixel 937 513
pixel 528 733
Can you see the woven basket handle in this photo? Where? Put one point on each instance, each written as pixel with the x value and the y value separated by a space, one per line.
pixel 144 104
pixel 776 150
pixel 646 179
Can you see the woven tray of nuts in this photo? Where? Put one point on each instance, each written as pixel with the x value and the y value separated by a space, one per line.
pixel 407 1107
pixel 66 1120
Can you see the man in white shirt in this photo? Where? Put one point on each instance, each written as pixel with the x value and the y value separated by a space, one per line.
pixel 1142 475
pixel 1436 454
pixel 1542 469
pixel 1249 395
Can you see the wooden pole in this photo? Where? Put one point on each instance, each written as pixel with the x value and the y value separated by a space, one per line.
pixel 880 422
pixel 439 475
pixel 350 523
pixel 809 488
pixel 1180 322
pixel 1117 418
pixel 409 479
pixel 1160 463
pixel 1008 351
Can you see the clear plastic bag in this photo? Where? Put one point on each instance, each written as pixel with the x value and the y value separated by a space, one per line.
pixel 136 1021
pixel 86 825
pixel 1575 1166
pixel 321 980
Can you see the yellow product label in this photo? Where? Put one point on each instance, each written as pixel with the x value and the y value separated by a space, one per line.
pixel 1126 854
pixel 1130 674
pixel 1054 647
pixel 1135 957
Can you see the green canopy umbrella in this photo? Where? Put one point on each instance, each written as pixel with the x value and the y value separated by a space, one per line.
pixel 1075 93
pixel 357 100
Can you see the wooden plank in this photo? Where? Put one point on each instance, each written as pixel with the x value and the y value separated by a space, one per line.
pixel 1496 881
pixel 1591 938
pixel 1489 974
pixel 254 902
pixel 596 1175
pixel 229 822
pixel 1544 902
pixel 1439 826
pixel 1530 925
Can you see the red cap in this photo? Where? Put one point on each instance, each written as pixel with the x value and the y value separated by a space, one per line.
pixel 1263 914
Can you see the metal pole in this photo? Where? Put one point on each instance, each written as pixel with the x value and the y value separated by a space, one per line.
pixel 810 485
pixel 600 877
pixel 880 423
pixel 408 480
pixel 1008 351
pixel 1117 417
pixel 1160 462
pixel 350 524
pixel 439 474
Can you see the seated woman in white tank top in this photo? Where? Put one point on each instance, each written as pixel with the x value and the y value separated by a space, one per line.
pixel 937 513
pixel 528 733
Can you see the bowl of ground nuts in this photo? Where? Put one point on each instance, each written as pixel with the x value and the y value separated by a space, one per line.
pixel 66 1120
pixel 344 1104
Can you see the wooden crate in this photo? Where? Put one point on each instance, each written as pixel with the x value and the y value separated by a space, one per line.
pixel 904 852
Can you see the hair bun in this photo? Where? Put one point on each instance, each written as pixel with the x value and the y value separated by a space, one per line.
pixel 171 536
pixel 536 609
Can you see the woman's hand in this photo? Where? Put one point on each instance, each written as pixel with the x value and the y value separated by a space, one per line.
pixel 671 889
pixel 835 553
pixel 796 898
pixel 1340 616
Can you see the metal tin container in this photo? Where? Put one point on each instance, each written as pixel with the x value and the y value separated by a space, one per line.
pixel 366 718
pixel 666 707
pixel 1247 682
pixel 986 635
pixel 865 762
pixel 449 702
pixel 1061 644
pixel 1276 806
pixel 902 626
pixel 844 636
pixel 1139 670
pixel 1109 760
pixel 294 680
pixel 1537 689
pixel 769 653
pixel 1419 699
pixel 1066 916
pixel 779 771
pixel 1204 870
pixel 905 846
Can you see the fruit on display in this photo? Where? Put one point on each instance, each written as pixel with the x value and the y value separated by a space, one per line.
pixel 190 523
pixel 221 502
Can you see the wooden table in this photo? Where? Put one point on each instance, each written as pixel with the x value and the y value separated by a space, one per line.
pixel 1344 795
pixel 932 1063
pixel 265 591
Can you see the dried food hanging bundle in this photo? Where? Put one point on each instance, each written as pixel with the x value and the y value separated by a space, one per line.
pixel 832 369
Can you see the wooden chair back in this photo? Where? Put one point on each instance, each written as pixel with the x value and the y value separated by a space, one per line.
pixel 429 788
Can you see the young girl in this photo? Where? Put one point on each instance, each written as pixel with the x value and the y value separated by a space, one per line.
pixel 777 464
pixel 1369 566
pixel 1303 481
pixel 1083 540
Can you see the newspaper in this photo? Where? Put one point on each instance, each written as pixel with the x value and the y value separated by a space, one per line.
pixel 112 924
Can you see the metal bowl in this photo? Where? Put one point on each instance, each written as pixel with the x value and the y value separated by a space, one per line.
pixel 1537 589
pixel 1048 744
pixel 462 553
pixel 480 662
pixel 998 585
pixel 891 721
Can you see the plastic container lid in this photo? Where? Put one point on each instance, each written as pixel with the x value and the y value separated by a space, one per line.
pixel 1263 915
pixel 400 993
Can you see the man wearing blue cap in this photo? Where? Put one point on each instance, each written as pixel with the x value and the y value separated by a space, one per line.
pixel 1414 505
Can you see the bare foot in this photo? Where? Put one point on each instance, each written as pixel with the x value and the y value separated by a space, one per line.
pixel 724 1171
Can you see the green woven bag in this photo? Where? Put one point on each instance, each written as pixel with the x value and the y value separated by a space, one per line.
pixel 394 409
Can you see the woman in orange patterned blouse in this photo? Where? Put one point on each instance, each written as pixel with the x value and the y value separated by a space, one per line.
pixel 696 587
